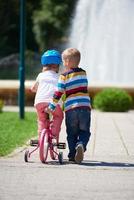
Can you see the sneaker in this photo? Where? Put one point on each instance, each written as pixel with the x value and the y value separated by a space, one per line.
pixel 79 153
pixel 71 159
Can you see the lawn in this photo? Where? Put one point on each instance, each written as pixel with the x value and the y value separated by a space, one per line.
pixel 15 132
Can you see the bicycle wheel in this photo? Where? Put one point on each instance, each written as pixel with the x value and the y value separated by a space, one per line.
pixel 43 147
pixel 60 157
pixel 53 149
pixel 26 156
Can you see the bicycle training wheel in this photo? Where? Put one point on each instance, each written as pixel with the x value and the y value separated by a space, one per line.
pixel 26 156
pixel 53 149
pixel 60 157
pixel 43 147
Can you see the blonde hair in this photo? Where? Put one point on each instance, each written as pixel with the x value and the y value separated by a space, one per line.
pixel 72 54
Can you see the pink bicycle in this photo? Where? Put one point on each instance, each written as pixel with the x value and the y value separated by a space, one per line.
pixel 46 143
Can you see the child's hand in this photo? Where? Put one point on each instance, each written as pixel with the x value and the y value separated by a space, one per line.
pixel 47 110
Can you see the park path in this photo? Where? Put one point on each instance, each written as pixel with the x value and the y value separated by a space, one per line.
pixel 106 173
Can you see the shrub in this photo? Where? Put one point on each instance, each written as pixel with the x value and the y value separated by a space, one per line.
pixel 113 99
pixel 1 105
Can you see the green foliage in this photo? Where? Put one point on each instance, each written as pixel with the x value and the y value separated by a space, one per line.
pixel 113 100
pixel 51 22
pixel 10 26
pixel 132 102
pixel 1 105
pixel 31 43
pixel 9 23
pixel 46 20
pixel 15 132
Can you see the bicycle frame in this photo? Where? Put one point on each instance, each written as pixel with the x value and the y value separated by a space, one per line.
pixel 45 144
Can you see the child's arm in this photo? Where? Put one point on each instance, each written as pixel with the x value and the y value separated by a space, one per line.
pixel 34 87
pixel 58 93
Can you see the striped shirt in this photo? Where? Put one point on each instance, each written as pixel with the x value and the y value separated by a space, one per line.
pixel 74 85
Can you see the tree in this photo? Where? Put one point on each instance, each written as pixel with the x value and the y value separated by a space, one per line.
pixel 10 26
pixel 51 22
pixel 9 23
pixel 46 24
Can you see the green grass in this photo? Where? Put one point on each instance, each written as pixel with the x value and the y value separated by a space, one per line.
pixel 15 132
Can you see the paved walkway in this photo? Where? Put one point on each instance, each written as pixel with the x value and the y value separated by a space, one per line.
pixel 107 172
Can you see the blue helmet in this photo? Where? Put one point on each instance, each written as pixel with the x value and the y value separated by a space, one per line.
pixel 51 57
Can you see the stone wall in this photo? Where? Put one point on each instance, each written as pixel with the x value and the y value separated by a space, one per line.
pixel 9 90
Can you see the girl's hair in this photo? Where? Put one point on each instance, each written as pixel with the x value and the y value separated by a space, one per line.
pixel 54 67
pixel 72 54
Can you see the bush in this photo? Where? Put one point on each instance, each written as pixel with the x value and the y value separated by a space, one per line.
pixel 1 105
pixel 113 99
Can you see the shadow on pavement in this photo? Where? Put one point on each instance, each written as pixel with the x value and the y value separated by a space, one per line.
pixel 106 164
pixel 94 164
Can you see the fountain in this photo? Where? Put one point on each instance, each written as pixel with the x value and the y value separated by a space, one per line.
pixel 103 31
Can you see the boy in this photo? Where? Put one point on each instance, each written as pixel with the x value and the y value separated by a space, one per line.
pixel 74 84
pixel 45 86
